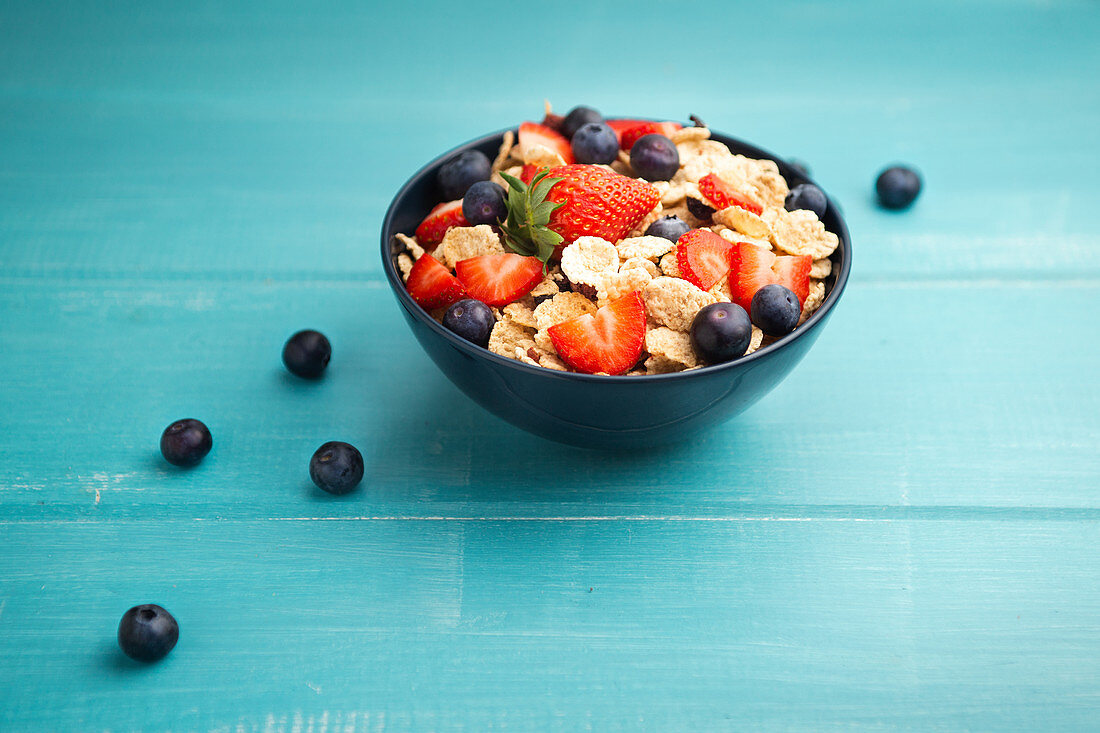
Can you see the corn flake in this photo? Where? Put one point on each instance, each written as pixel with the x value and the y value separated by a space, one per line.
pixel 624 282
pixel 507 336
pixel 587 260
pixel 675 346
pixel 562 307
pixel 743 221
pixel 673 302
pixel 821 269
pixel 520 313
pixel 462 243
pixel 670 265
pixel 689 134
pixel 813 300
pixel 638 263
pixel 648 248
pixel 800 233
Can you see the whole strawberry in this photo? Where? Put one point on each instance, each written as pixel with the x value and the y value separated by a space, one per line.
pixel 598 202
pixel 561 204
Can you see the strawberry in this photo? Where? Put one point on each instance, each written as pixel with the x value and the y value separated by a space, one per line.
pixel 721 195
pixel 432 285
pixel 752 267
pixel 610 341
pixel 598 202
pixel 438 221
pixel 630 135
pixel 499 279
pixel 528 172
pixel 703 257
pixel 620 126
pixel 532 133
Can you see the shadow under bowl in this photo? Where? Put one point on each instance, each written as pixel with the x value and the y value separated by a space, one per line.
pixel 606 412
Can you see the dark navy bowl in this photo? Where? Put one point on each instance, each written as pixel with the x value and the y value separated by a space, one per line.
pixel 602 411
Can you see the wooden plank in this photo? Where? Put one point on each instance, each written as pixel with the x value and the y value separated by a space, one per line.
pixel 397 625
pixel 925 397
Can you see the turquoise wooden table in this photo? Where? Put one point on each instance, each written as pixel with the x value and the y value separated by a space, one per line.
pixel 905 534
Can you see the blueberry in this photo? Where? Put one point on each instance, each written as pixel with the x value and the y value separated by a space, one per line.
pixel 807 196
pixel 595 142
pixel 462 171
pixel 699 210
pixel 577 118
pixel 307 353
pixel 800 166
pixel 147 632
pixel 775 310
pixel 185 442
pixel 484 203
pixel 897 187
pixel 654 157
pixel 472 320
pixel 669 227
pixel 721 332
pixel 336 467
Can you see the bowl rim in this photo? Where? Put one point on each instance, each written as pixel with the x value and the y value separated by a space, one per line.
pixel 398 285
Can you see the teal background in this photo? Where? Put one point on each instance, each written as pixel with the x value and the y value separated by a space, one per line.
pixel 904 535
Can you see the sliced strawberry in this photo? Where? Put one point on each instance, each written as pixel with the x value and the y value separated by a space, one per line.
pixel 438 221
pixel 532 133
pixel 432 285
pixel 609 341
pixel 793 273
pixel 528 172
pixel 499 279
pixel 630 135
pixel 753 267
pixel 703 257
pixel 620 126
pixel 721 195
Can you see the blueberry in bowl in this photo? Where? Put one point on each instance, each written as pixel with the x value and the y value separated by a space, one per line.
pixel 590 317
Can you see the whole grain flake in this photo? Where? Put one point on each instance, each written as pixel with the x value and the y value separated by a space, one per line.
pixel 462 243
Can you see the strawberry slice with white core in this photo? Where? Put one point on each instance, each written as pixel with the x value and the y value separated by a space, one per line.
pixel 721 195
pixel 532 133
pixel 499 279
pixel 438 221
pixel 432 285
pixel 630 135
pixel 753 267
pixel 703 257
pixel 609 342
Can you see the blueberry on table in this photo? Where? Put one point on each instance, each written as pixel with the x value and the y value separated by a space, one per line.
pixel 484 204
pixel 147 632
pixel 472 320
pixel 185 442
pixel 462 171
pixel 577 118
pixel 806 196
pixel 721 332
pixel 897 187
pixel 336 467
pixel 595 143
pixel 307 353
pixel 775 310
pixel 654 157
pixel 670 227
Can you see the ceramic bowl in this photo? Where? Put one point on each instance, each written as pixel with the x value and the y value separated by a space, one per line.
pixel 605 412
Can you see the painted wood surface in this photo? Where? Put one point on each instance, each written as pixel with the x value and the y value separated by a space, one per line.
pixel 904 535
